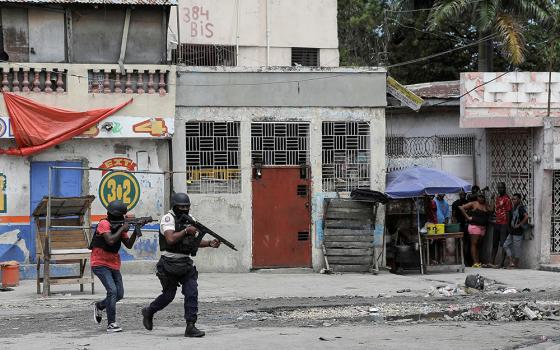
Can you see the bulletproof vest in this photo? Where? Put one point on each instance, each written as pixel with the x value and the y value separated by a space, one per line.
pixel 99 242
pixel 184 246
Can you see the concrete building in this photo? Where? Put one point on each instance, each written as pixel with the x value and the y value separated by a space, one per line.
pixel 432 137
pixel 262 149
pixel 81 55
pixel 256 33
pixel 519 112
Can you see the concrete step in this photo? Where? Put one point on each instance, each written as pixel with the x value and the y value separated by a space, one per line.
pixel 550 267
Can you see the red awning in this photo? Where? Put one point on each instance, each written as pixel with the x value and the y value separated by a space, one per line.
pixel 37 127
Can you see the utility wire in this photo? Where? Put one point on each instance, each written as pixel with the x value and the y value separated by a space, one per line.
pixel 421 59
pixel 471 90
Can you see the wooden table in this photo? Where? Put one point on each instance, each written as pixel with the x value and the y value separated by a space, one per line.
pixel 459 264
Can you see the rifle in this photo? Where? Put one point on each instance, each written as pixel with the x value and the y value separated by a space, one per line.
pixel 137 222
pixel 195 242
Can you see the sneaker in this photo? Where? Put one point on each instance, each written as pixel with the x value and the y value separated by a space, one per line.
pixel 97 314
pixel 113 328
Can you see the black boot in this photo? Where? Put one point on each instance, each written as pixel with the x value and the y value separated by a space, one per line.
pixel 148 319
pixel 192 331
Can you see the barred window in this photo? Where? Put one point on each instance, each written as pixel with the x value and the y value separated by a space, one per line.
pixel 280 143
pixel 205 55
pixel 346 156
pixel 213 157
pixel 304 56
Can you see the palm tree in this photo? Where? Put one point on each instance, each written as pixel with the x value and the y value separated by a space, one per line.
pixel 493 19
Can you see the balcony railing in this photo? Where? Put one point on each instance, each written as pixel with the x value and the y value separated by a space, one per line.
pixel 31 79
pixel 133 81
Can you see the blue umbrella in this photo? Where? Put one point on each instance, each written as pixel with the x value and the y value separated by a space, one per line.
pixel 420 181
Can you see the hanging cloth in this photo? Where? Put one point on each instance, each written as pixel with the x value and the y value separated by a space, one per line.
pixel 37 127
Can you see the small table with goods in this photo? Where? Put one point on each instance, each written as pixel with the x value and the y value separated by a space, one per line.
pixel 433 236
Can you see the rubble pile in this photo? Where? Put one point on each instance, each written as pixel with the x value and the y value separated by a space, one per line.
pixel 510 312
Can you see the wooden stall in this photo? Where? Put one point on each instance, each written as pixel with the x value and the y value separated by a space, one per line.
pixel 63 232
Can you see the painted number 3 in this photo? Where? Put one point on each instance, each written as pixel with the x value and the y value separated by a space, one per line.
pixel 118 191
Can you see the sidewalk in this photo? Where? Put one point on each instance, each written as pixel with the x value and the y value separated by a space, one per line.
pixel 236 286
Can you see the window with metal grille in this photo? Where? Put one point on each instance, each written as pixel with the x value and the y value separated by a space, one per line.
pixel 280 143
pixel 212 154
pixel 205 55
pixel 346 156
pixel 430 146
pixel 304 56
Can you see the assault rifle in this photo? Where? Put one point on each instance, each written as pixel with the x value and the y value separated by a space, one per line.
pixel 194 242
pixel 136 222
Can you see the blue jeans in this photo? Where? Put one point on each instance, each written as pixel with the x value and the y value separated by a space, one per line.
pixel 512 245
pixel 112 281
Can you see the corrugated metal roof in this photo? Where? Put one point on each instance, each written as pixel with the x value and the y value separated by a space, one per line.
pixel 102 2
pixel 437 89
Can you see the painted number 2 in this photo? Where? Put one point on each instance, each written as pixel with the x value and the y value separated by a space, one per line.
pixel 116 191
pixel 199 20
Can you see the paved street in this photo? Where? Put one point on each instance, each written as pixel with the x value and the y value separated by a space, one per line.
pixel 291 310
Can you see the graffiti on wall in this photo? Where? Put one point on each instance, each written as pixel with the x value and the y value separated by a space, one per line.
pixel 198 21
pixel 3 197
pixel 119 185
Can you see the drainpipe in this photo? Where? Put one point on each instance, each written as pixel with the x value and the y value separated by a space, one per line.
pixel 267 33
pixel 237 35
pixel 124 39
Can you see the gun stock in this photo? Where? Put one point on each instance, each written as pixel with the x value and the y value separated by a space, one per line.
pixel 205 230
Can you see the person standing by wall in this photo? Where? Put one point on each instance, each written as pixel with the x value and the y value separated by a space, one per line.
pixel 514 240
pixel 442 207
pixel 502 210
pixel 459 218
pixel 476 214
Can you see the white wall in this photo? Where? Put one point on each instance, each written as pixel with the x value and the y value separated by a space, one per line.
pixel 231 214
pixel 291 23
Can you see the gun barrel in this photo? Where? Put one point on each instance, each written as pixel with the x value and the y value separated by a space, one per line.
pixel 208 231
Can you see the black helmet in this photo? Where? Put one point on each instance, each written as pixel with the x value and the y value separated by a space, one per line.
pixel 180 199
pixel 117 208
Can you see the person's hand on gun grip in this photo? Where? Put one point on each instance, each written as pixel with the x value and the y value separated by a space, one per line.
pixel 126 227
pixel 215 243
pixel 138 231
pixel 191 231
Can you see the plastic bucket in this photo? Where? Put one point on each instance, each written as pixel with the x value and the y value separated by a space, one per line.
pixel 10 275
pixel 440 228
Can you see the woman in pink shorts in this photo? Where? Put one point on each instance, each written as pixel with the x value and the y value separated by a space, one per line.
pixel 478 219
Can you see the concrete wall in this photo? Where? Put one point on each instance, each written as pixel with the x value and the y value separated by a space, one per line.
pixel 291 23
pixel 515 99
pixel 288 87
pixel 252 95
pixel 438 123
pixel 151 155
pixel 77 97
pixel 231 214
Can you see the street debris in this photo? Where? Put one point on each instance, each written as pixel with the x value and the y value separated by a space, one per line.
pixel 404 290
pixel 510 312
pixel 475 281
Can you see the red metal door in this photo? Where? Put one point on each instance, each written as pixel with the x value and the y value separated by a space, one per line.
pixel 281 218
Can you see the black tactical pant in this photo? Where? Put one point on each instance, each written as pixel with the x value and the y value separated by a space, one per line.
pixel 169 284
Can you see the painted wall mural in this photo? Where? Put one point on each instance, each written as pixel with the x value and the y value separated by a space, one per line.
pixel 119 185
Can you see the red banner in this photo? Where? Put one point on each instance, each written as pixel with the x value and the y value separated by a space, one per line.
pixel 37 127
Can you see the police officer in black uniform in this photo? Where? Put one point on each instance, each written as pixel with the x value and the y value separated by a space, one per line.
pixel 175 266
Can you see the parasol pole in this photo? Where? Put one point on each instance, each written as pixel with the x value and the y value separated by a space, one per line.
pixel 420 246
